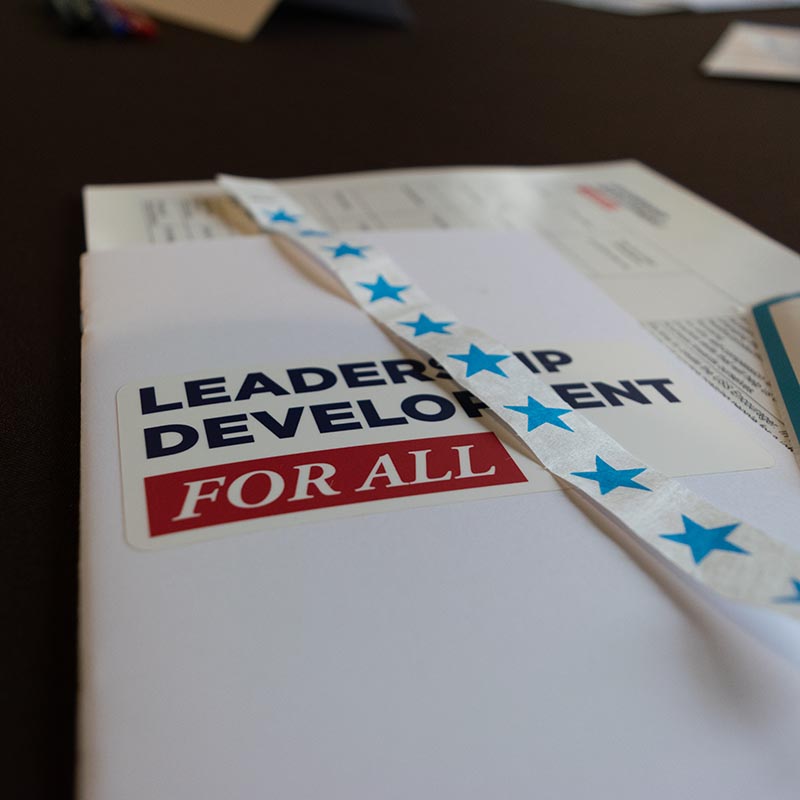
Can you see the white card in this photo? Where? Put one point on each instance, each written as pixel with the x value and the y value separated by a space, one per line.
pixel 454 650
pixel 748 50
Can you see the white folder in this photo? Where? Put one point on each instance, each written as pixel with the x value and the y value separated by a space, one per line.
pixel 509 647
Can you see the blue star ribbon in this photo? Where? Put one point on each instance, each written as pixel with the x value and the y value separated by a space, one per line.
pixel 425 324
pixel 703 541
pixel 478 361
pixel 343 249
pixel 790 598
pixel 382 288
pixel 311 232
pixel 281 215
pixel 757 583
pixel 609 478
pixel 539 414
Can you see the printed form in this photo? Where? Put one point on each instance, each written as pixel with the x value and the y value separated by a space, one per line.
pixel 685 269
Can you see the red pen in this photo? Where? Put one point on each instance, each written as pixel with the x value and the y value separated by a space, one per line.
pixel 131 23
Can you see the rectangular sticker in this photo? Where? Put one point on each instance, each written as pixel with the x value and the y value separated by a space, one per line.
pixel 244 449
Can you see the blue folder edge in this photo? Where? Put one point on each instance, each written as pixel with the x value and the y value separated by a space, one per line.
pixel 785 377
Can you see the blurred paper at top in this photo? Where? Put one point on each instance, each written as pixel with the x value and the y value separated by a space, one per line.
pixel 747 50
pixel 242 19
pixel 237 19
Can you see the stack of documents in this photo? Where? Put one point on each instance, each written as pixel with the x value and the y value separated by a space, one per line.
pixel 686 270
pixel 459 628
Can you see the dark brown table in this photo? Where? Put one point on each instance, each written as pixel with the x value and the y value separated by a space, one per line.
pixel 508 82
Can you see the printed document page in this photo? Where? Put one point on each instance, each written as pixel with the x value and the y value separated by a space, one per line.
pixel 685 269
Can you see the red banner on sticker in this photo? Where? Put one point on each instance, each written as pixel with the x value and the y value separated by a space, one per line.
pixel 265 487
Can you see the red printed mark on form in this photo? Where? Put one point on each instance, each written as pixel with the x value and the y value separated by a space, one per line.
pixel 599 197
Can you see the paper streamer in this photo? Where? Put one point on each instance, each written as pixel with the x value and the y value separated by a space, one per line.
pixel 722 552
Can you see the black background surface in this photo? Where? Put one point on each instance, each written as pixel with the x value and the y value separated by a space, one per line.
pixel 506 82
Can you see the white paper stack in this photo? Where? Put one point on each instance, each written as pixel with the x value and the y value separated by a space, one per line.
pixel 504 646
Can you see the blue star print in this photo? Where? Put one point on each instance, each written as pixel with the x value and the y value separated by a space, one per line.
pixel 609 478
pixel 791 598
pixel 382 288
pixel 426 325
pixel 281 215
pixel 478 361
pixel 703 541
pixel 344 249
pixel 311 232
pixel 539 414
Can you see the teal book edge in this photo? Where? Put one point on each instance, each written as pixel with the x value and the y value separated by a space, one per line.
pixel 780 364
